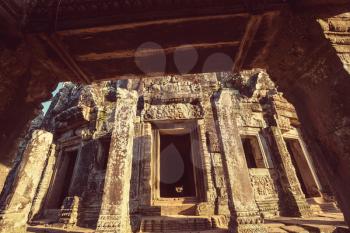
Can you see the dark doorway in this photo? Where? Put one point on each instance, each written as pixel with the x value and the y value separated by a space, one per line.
pixel 249 152
pixel 63 179
pixel 300 165
pixel 253 152
pixel 176 167
pixel 102 156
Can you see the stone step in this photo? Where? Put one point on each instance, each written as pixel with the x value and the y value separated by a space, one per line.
pixel 183 209
pixel 274 228
pixel 207 231
pixel 50 229
pixel 318 204
pixel 171 224
pixel 329 207
pixel 294 229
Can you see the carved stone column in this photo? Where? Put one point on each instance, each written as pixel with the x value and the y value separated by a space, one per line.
pixel 14 213
pixel 44 184
pixel 295 202
pixel 114 214
pixel 243 208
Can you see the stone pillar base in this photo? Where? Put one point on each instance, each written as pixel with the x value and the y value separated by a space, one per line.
pixel 304 209
pixel 108 223
pixel 247 222
pixel 249 228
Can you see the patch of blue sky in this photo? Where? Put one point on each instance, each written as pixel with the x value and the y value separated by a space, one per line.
pixel 46 104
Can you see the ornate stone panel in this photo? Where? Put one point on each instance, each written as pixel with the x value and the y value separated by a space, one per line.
pixel 246 117
pixel 172 98
pixel 265 191
pixel 173 111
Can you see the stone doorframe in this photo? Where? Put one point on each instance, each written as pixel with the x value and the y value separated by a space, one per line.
pixel 296 135
pixel 197 156
pixel 64 146
pixel 262 144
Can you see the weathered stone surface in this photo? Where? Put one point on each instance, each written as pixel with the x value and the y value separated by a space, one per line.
pixel 16 207
pixel 244 212
pixel 314 77
pixel 114 214
pixel 308 57
pixel 103 169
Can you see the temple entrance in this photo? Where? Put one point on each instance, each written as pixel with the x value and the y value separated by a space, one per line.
pixel 177 172
pixel 303 168
pixel 62 180
pixel 176 166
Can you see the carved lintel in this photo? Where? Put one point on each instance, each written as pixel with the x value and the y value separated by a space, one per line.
pixel 173 112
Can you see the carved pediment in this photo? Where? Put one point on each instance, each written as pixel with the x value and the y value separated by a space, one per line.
pixel 173 111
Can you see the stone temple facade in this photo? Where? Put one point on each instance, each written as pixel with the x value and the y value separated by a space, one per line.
pixel 211 152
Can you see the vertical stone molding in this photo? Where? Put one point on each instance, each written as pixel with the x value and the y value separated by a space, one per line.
pixel 146 177
pixel 295 203
pixel 206 165
pixel 243 209
pixel 114 214
pixel 15 211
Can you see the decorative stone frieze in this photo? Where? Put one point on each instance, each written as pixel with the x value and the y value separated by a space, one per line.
pixel 173 112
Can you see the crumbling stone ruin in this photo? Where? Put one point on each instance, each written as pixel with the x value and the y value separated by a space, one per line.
pixel 212 152
pixel 303 46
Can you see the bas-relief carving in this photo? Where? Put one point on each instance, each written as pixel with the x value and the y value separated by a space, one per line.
pixel 265 191
pixel 247 118
pixel 173 112
pixel 172 98
pixel 171 86
pixel 17 207
pixel 263 184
